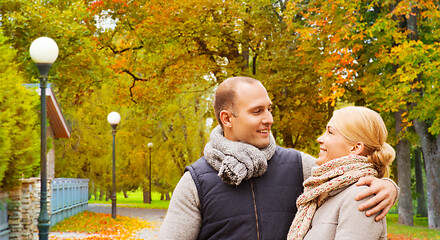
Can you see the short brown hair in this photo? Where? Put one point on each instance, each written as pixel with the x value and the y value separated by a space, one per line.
pixel 225 95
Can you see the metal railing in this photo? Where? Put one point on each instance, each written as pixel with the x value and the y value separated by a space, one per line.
pixel 69 197
pixel 4 226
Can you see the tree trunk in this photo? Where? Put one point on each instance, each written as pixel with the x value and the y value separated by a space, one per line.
pixel 287 137
pixel 420 189
pixel 254 64
pixel 108 195
pixel 431 156
pixel 403 157
pixel 245 44
pixel 125 193
pixel 167 196
pixel 146 195
pixel 430 144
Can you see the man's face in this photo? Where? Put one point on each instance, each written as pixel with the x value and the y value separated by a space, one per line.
pixel 253 118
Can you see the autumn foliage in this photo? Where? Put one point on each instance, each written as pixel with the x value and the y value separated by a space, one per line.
pixel 158 63
pixel 402 237
pixel 100 226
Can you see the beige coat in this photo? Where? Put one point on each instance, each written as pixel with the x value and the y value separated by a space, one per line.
pixel 339 218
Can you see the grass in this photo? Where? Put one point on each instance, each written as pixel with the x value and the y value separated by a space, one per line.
pixel 420 229
pixel 135 200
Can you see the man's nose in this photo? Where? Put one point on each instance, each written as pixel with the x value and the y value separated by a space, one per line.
pixel 268 118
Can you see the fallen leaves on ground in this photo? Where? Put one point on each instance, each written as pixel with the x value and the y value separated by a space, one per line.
pixel 101 226
pixel 402 237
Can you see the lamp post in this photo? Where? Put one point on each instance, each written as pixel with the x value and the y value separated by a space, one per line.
pixel 114 118
pixel 150 145
pixel 44 52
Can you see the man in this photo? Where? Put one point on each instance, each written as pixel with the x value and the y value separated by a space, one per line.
pixel 245 187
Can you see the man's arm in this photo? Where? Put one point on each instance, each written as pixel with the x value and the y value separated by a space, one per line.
pixel 308 162
pixel 386 194
pixel 183 219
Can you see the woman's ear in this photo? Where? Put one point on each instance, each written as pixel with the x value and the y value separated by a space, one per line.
pixel 358 148
pixel 225 117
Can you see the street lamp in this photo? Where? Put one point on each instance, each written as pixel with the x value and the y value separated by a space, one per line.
pixel 114 118
pixel 44 52
pixel 150 145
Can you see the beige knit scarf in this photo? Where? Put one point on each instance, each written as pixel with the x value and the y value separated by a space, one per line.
pixel 335 174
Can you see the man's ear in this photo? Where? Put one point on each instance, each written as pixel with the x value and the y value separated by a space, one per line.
pixel 358 148
pixel 225 117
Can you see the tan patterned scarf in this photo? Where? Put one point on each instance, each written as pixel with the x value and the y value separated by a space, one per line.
pixel 335 174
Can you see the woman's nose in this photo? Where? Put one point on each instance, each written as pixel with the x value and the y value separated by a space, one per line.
pixel 320 139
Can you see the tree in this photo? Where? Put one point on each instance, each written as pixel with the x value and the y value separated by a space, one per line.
pixel 420 84
pixel 160 48
pixel 371 49
pixel 19 132
pixel 88 152
pixel 403 158
pixel 420 189
pixel 161 60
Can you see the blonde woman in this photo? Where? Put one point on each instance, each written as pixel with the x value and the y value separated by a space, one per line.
pixel 352 146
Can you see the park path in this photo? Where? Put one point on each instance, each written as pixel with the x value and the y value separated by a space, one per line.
pixel 155 216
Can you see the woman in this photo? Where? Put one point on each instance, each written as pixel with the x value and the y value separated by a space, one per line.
pixel 353 146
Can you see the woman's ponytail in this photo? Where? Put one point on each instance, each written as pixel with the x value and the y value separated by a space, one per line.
pixel 382 157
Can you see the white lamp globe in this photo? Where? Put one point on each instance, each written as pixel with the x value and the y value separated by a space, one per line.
pixel 114 118
pixel 44 50
pixel 150 145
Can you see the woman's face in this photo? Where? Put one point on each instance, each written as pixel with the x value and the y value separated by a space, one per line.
pixel 333 145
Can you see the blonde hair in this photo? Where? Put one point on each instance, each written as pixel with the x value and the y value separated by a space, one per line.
pixel 361 124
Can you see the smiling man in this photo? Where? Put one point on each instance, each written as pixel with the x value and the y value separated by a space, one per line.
pixel 245 186
pixel 249 118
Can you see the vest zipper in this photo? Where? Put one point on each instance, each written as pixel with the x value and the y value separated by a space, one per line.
pixel 255 209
